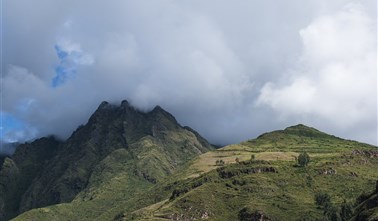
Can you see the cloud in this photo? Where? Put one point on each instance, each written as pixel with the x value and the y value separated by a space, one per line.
pixel 208 63
pixel 336 77
pixel 70 56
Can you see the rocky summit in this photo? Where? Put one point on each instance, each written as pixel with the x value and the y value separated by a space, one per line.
pixel 48 171
pixel 125 164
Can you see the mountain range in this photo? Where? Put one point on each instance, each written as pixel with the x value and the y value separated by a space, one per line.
pixel 125 164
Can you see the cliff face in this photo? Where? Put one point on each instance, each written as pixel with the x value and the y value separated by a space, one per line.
pixel 18 171
pixel 155 145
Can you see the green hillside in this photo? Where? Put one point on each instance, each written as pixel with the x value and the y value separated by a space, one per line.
pixel 259 180
pixel 271 185
pixel 118 154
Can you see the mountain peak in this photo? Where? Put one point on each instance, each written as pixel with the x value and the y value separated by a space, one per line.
pixel 104 106
pixel 157 108
pixel 300 130
pixel 159 111
pixel 303 130
pixel 301 127
pixel 153 143
pixel 125 103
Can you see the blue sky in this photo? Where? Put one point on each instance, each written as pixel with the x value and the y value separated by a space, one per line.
pixel 12 128
pixel 68 64
pixel 65 70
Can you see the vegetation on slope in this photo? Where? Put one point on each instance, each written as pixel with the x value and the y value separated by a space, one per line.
pixel 272 184
pixel 17 172
pixel 367 208
pixel 119 152
pixel 259 180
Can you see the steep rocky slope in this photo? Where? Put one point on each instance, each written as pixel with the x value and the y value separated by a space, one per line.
pixel 117 139
pixel 17 172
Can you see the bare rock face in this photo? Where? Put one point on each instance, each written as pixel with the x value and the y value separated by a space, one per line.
pixel 328 171
pixel 366 153
pixel 354 174
pixel 225 173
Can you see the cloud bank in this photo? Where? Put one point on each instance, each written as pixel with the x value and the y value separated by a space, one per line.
pixel 229 70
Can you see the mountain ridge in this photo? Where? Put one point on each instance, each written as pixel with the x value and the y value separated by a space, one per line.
pixel 125 164
pixel 109 128
pixel 259 179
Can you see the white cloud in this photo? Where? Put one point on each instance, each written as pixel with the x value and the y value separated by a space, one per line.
pixel 336 78
pixel 74 52
pixel 206 62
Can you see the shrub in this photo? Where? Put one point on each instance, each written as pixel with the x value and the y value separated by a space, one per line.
pixel 303 159
pixel 219 163
pixel 322 199
pixel 346 211
pixel 331 213
pixel 248 214
pixel 361 198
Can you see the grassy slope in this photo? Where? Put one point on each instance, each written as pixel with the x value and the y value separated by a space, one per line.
pixel 88 172
pixel 201 191
pixel 120 180
pixel 117 182
pixel 285 195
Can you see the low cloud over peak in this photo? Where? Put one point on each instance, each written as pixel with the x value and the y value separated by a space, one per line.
pixel 231 70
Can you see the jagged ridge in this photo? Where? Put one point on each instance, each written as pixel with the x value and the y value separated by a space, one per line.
pixel 154 143
pixel 259 178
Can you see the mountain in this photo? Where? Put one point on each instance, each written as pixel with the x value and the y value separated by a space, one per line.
pixel 261 179
pixel 17 172
pixel 119 144
pixel 128 165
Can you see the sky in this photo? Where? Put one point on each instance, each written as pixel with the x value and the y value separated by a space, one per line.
pixel 229 69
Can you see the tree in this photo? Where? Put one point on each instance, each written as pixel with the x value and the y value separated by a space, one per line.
pixel 219 163
pixel 253 157
pixel 331 212
pixel 322 199
pixel 303 159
